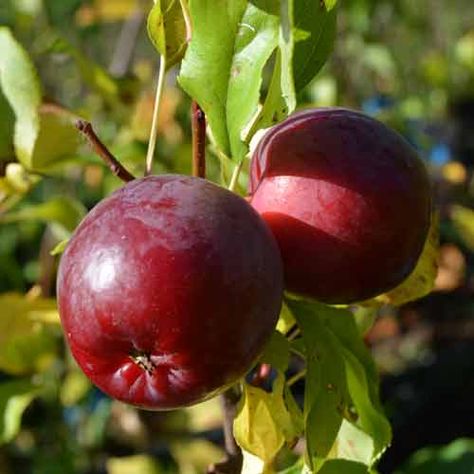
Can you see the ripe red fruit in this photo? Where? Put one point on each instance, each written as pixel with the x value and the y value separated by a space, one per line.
pixel 168 291
pixel 347 199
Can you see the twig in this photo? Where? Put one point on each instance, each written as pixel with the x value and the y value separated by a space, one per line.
pixel 233 463
pixel 199 140
pixel 102 151
pixel 154 125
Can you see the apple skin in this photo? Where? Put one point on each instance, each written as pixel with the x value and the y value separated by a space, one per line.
pixel 347 199
pixel 168 291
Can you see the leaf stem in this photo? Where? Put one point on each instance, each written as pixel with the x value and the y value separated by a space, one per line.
pixel 199 140
pixel 156 110
pixel 103 152
pixel 235 175
pixel 187 19
pixel 297 377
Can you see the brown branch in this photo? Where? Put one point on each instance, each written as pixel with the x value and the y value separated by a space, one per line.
pixel 102 151
pixel 199 140
pixel 233 463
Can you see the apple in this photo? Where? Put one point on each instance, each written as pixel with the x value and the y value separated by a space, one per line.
pixel 347 199
pixel 168 291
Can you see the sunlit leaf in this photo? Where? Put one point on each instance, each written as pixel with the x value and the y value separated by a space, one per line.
pixel 15 397
pixel 106 11
pixel 264 422
pixel 286 320
pixel 74 387
pixel 138 464
pixel 222 67
pixel 64 211
pixel 17 180
pixel 20 85
pixel 341 381
pixel 194 457
pixel 353 444
pixel 421 281
pixel 167 30
pixel 26 345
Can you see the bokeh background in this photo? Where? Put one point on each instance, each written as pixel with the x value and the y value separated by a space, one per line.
pixel 410 64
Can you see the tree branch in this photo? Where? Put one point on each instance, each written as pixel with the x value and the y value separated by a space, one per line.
pixel 198 119
pixel 233 462
pixel 102 151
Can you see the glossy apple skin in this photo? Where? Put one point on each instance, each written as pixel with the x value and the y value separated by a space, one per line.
pixel 347 199
pixel 168 290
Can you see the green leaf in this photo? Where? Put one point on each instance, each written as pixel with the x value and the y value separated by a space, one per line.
pixel 167 30
pixel 14 399
pixel 277 352
pixel 340 466
pixel 342 381
pixel 21 88
pixel 58 137
pixel 222 67
pixel 308 30
pixel 93 75
pixel 64 211
pixel 7 119
pixel 264 422
pixel 455 458
pixel 25 343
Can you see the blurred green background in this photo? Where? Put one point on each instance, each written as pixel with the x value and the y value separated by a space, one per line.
pixel 410 64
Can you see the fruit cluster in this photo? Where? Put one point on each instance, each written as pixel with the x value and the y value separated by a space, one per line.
pixel 171 286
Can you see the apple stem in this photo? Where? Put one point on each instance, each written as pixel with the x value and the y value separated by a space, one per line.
pixel 156 109
pixel 103 152
pixel 233 463
pixel 198 119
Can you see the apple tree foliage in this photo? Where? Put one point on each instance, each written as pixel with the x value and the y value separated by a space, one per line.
pixel 245 62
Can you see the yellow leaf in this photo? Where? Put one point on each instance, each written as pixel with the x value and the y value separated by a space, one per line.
pixel 139 464
pixel 421 281
pixel 25 343
pixel 106 11
pixel 264 422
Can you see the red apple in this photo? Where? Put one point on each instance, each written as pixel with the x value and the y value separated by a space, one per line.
pixel 168 291
pixel 347 199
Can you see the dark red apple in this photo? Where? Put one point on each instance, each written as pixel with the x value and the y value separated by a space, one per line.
pixel 168 291
pixel 347 199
